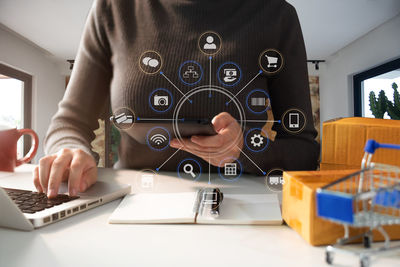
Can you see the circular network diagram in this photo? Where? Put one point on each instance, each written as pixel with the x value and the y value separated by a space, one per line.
pixel 198 78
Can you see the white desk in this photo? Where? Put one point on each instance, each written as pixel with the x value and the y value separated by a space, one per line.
pixel 88 240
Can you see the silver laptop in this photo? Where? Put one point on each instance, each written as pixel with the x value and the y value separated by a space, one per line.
pixel 26 209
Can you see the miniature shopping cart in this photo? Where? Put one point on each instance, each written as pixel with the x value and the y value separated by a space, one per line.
pixel 368 199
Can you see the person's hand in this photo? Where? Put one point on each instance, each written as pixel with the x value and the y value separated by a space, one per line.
pixel 72 165
pixel 229 140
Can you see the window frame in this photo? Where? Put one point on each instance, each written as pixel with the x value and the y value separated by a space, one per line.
pixel 27 101
pixel 359 78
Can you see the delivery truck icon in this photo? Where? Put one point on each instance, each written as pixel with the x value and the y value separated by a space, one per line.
pixel 276 179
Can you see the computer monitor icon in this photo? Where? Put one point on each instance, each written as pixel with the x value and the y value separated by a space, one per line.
pixel 293 120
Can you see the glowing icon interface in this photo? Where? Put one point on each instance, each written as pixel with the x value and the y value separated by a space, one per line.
pixel 210 45
pixel 188 169
pixel 230 169
pixel 151 62
pixel 123 118
pixel 257 140
pixel 158 139
pixel 190 72
pixel 210 198
pixel 230 75
pixel 276 179
pixel 147 180
pixel 161 100
pixel 258 101
pixel 293 120
pixel 272 62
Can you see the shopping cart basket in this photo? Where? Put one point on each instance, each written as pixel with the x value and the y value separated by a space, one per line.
pixel 369 198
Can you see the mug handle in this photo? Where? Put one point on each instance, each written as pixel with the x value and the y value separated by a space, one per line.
pixel 35 144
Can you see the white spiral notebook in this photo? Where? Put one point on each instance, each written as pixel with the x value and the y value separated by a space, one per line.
pixel 167 208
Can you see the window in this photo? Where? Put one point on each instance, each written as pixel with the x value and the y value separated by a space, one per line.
pixel 375 80
pixel 16 102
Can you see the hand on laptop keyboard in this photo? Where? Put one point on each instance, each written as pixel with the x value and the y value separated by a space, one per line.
pixel 72 165
pixel 31 202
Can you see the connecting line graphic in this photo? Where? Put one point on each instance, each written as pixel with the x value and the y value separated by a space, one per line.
pixel 227 103
pixel 162 73
pixel 241 151
pixel 157 169
pixel 209 94
pixel 209 169
pixel 278 121
pixel 153 119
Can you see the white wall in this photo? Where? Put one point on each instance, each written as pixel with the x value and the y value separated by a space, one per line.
pixel 48 84
pixel 336 85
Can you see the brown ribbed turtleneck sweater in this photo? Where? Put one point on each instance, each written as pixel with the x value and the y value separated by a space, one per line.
pixel 117 32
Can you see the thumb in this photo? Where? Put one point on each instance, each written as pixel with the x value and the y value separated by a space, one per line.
pixel 221 121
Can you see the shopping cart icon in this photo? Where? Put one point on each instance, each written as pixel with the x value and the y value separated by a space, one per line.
pixel 272 62
pixel 368 198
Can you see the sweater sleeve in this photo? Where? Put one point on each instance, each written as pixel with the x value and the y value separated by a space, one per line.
pixel 288 89
pixel 88 89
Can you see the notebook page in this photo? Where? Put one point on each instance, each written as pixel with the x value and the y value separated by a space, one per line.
pixel 262 209
pixel 155 208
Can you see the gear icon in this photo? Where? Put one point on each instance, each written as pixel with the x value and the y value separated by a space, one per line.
pixel 257 140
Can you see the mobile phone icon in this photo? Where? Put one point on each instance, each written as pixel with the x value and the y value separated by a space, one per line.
pixel 293 120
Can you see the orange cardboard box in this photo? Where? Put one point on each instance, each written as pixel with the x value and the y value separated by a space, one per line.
pixel 299 208
pixel 330 166
pixel 344 139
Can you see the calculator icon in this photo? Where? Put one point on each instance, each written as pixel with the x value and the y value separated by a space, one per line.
pixel 230 169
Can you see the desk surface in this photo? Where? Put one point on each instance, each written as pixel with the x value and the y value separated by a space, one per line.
pixel 87 239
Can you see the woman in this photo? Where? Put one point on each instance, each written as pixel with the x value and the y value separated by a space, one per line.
pixel 117 33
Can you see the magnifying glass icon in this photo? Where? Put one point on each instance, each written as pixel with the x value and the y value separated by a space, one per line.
pixel 188 169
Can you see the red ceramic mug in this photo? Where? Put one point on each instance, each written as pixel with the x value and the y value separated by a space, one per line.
pixel 8 147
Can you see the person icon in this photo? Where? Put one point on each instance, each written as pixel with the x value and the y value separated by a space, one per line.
pixel 210 43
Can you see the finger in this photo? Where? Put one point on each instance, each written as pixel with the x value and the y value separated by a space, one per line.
pixel 44 171
pixel 88 179
pixel 215 141
pixel 221 121
pixel 175 143
pixel 75 175
pixel 59 166
pixel 65 175
pixel 202 155
pixel 36 180
pixel 189 145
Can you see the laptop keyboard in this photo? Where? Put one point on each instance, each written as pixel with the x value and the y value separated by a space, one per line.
pixel 31 202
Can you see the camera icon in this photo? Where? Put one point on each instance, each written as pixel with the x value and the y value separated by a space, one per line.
pixel 160 100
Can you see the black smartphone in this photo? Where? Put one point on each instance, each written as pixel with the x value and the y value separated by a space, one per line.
pixel 141 130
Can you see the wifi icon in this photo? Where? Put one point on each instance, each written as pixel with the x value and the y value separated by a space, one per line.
pixel 158 139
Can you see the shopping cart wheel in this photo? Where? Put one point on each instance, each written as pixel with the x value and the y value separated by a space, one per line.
pixel 328 257
pixel 367 240
pixel 364 262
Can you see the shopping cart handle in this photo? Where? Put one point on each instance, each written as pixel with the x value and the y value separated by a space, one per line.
pixel 372 145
